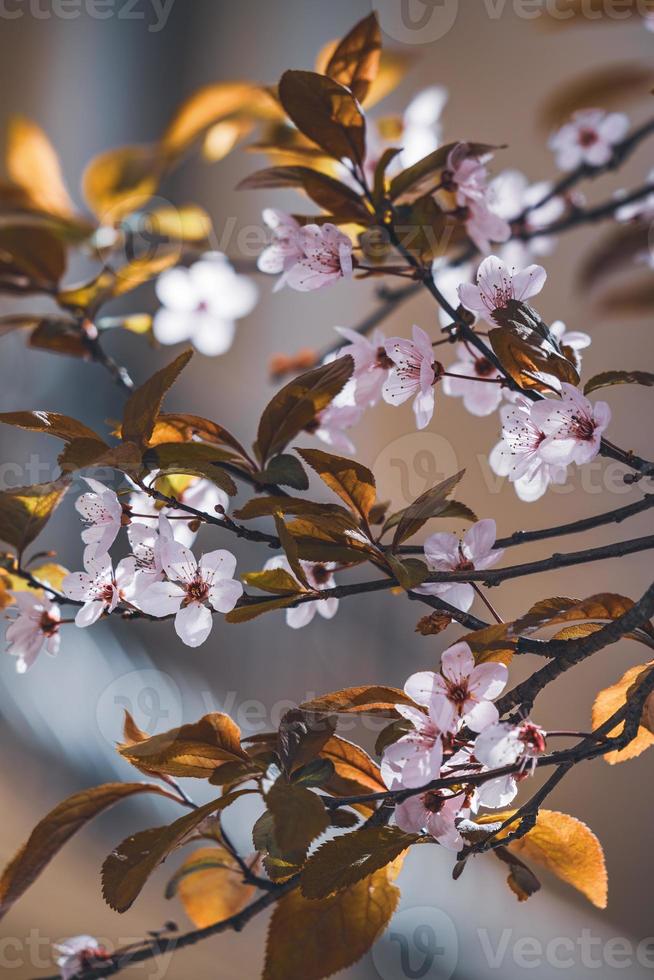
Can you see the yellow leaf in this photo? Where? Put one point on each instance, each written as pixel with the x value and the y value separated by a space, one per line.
pixel 206 107
pixel 223 137
pixel 25 511
pixel 313 938
pixel 567 848
pixel 32 163
pixel 191 750
pixel 189 223
pixel 210 886
pixel 121 181
pixel 610 700
pixel 353 482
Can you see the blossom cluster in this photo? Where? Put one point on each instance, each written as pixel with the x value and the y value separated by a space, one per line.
pixel 454 732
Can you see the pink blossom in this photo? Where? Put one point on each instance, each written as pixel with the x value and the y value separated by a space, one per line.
pixel 518 454
pixel 588 138
pixel 444 552
pixel 331 424
pixel 573 426
pixel 99 587
pixel 503 744
pixel 572 342
pixel 371 365
pixel 192 589
pixel 102 511
pixel 467 176
pixel 435 813
pixel 479 397
pixel 511 195
pixel 319 576
pixel 36 625
pixel 201 304
pixel 462 692
pixel 309 256
pixel 193 491
pixel 497 285
pixel 76 953
pixel 413 374
pixel 147 545
pixel 415 758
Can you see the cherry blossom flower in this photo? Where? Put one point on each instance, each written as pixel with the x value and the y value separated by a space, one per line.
pixel 462 692
pixel 417 757
pixel 444 552
pixel 331 424
pixel 76 953
pixel 435 813
pixel 588 138
pixel 193 491
pixel 102 511
pixel 466 175
pixel 371 365
pixel 192 589
pixel 35 626
pixel 201 304
pixel 479 397
pixel 497 285
pixel 99 587
pixel 573 426
pixel 511 195
pixel 571 342
pixel 309 257
pixel 448 279
pixel 503 744
pixel 147 545
pixel 319 576
pixel 518 453
pixel 413 374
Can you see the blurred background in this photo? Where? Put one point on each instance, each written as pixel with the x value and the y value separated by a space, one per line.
pixel 94 83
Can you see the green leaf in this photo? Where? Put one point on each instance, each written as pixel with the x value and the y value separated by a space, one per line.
pixel 608 378
pixel 143 405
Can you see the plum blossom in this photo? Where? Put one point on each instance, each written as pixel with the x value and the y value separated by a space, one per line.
pixel 35 626
pixel 309 256
pixel 192 589
pixel 518 453
pixel 512 195
pixel 588 138
pixel 448 279
pixel 102 511
pixel 573 426
pixel 147 545
pixel 76 953
pixel 99 587
pixel 462 692
pixel 413 374
pixel 331 424
pixel 202 303
pixel 503 744
pixel 571 342
pixel 466 176
pixel 319 576
pixel 436 813
pixel 444 552
pixel 371 365
pixel 497 285
pixel 479 397
pixel 192 491
pixel 417 757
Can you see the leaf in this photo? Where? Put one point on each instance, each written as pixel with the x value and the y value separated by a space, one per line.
pixel 204 108
pixel 268 506
pixel 286 471
pixel 609 378
pixel 358 699
pixel 142 270
pixel 32 259
pixel 331 195
pixel 142 407
pixel 637 298
pixel 210 886
pixel 521 879
pixel 301 737
pixel 326 112
pixel 191 750
pixel 340 863
pixel 355 61
pixel 296 405
pixel 298 814
pixel 244 613
pixel 547 612
pixel 491 644
pixel 189 426
pixel 529 359
pixel 351 481
pixel 51 833
pixel 431 503
pixel 567 848
pixel 275 580
pixel 608 87
pixel 128 867
pixel 433 624
pixel 620 247
pixel 409 572
pixel 192 458
pixel 121 181
pixel 287 542
pixel 355 772
pixel 610 700
pixel 59 336
pixel 32 163
pixel 314 938
pixel 52 423
pixel 188 223
pixel 24 511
